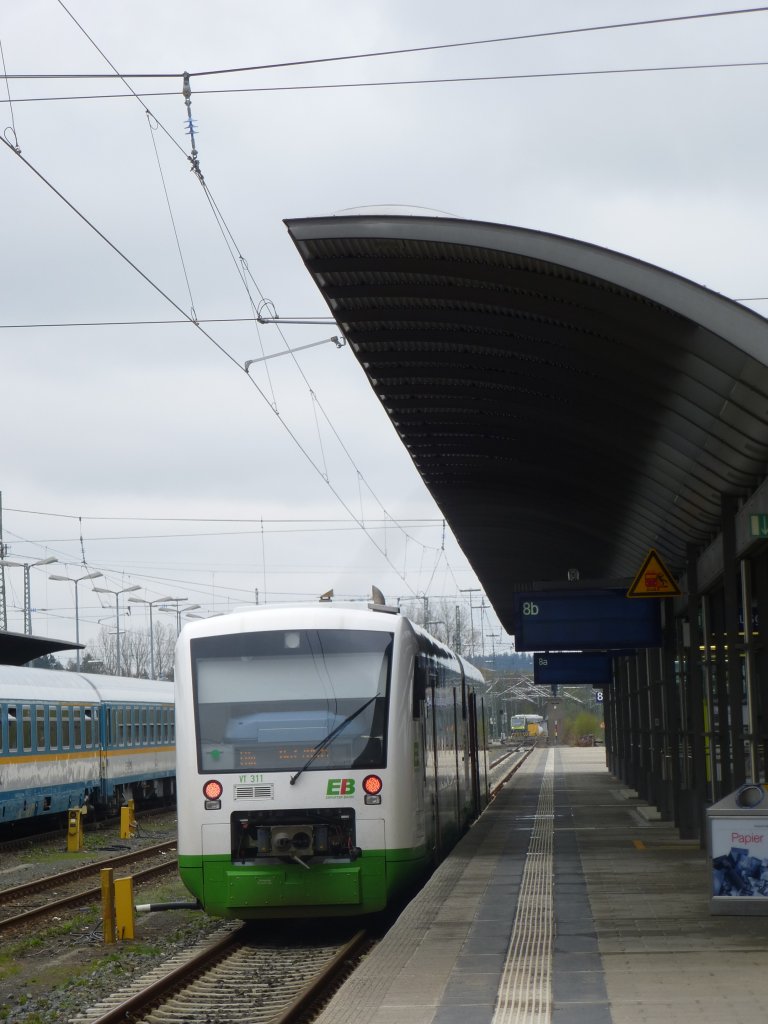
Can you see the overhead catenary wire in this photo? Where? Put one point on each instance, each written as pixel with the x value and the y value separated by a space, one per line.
pixel 150 120
pixel 319 321
pixel 400 82
pixel 244 273
pixel 429 520
pixel 210 337
pixel 198 590
pixel 521 37
pixel 12 127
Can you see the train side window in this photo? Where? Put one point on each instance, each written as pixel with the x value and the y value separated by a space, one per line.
pixel 120 733
pixel 53 726
pixel 88 721
pixel 172 736
pixel 129 726
pixel 419 686
pixel 13 730
pixel 77 714
pixel 153 712
pixel 96 726
pixel 26 726
pixel 40 730
pixel 144 725
pixel 65 740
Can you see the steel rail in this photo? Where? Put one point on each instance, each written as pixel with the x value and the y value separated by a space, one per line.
pixel 64 877
pixel 177 979
pixel 84 896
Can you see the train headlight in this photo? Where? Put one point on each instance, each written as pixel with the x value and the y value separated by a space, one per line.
pixel 372 789
pixel 212 791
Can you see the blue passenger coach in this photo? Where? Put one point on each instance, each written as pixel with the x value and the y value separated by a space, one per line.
pixel 69 739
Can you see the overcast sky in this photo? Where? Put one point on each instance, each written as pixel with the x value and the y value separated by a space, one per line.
pixel 143 451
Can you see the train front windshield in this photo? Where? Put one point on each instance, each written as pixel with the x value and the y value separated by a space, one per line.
pixel 273 700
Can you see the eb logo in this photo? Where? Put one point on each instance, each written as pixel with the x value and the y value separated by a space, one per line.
pixel 340 787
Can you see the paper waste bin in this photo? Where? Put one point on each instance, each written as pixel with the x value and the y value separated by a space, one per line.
pixel 737 834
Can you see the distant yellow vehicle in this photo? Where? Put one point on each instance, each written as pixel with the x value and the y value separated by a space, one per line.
pixel 527 727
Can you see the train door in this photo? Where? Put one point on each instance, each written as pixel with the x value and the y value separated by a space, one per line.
pixel 473 753
pixel 434 748
pixel 424 710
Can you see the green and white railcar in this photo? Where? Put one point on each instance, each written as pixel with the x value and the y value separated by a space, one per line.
pixel 327 757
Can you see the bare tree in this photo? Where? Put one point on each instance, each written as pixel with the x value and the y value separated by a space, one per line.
pixel 104 650
pixel 135 657
pixel 165 648
pixel 444 619
pixel 134 653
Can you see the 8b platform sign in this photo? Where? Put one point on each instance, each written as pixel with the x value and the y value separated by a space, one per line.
pixel 584 620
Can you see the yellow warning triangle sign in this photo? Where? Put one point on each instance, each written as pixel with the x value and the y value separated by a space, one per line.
pixel 654 579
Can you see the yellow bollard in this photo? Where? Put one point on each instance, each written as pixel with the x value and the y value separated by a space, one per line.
pixel 74 830
pixel 127 821
pixel 108 904
pixel 124 910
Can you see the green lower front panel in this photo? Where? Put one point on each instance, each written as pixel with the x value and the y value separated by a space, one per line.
pixel 291 890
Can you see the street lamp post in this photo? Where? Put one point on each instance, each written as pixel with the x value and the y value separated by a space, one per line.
pixel 116 594
pixel 70 579
pixel 471 591
pixel 26 566
pixel 158 600
pixel 178 609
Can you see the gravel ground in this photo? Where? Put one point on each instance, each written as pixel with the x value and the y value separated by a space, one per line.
pixel 51 974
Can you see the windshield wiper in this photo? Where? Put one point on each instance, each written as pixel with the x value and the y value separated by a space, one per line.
pixel 332 736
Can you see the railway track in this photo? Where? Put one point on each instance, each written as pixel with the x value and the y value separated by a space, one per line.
pixel 11 899
pixel 500 769
pixel 239 977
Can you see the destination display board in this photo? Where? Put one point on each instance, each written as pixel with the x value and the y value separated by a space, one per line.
pixel 572 667
pixel 585 620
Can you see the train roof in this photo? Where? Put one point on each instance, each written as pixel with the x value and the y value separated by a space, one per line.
pixel 41 684
pixel 317 615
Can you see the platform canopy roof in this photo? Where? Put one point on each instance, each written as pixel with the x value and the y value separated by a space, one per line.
pixel 567 406
pixel 20 648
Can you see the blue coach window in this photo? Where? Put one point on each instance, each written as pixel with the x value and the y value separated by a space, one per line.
pixel 65 739
pixel 26 726
pixel 88 721
pixel 40 719
pixel 13 730
pixel 77 713
pixel 53 726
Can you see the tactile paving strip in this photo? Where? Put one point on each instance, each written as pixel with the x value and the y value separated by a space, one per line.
pixel 525 993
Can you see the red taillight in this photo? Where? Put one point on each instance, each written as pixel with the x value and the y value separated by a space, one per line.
pixel 213 789
pixel 372 784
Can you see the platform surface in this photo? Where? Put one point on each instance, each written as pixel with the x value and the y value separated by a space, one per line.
pixel 564 903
